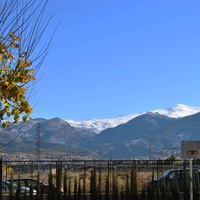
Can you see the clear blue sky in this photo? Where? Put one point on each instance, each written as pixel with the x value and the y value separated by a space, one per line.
pixel 112 57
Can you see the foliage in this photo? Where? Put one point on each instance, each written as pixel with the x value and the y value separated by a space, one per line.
pixel 51 193
pixel 75 189
pixel 18 192
pixel 93 185
pixel 58 181
pixel 115 190
pixel 84 186
pixel 107 190
pixel 20 58
pixel 175 190
pixel 143 193
pixel 69 189
pixel 195 186
pixel 134 186
pixel 164 189
pixel 65 186
pixel 99 184
pixel 11 188
pixel 122 195
pixel 186 183
pixel 79 190
pixel 31 192
pixel 151 189
pixel 38 186
pixel 127 188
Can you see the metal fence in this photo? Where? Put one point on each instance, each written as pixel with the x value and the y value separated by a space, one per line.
pixel 82 168
pixel 31 168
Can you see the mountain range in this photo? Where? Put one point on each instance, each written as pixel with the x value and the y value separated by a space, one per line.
pixel 155 134
pixel 98 125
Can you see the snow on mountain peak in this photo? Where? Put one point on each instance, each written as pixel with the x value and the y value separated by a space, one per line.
pixel 98 125
pixel 178 111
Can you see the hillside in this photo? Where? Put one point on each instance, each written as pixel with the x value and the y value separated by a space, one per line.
pixel 147 135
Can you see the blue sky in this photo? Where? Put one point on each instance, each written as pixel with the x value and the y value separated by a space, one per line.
pixel 111 58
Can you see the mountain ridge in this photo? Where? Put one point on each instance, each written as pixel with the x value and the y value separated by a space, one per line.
pixel 98 125
pixel 127 140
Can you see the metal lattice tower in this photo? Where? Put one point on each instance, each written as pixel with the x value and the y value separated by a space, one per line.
pixel 38 143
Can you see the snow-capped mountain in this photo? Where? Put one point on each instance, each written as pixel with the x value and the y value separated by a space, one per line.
pixel 98 125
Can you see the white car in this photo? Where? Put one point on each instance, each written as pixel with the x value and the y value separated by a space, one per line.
pixel 6 188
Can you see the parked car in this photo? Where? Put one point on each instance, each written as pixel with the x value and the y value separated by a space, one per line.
pixel 177 174
pixel 28 182
pixel 6 185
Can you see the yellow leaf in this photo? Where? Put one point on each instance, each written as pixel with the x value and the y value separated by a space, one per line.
pixel 13 45
pixel 18 38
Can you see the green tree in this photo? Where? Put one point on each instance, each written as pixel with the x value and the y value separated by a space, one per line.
pixel 175 195
pixel 99 185
pixel 186 183
pixel 69 189
pixel 127 192
pixel 11 188
pixel 79 190
pixel 51 191
pixel 38 186
pixel 31 192
pixel 75 189
pixel 93 184
pixel 84 185
pixel 115 189
pixel 65 186
pixel 18 192
pixel 23 24
pixel 151 189
pixel 195 186
pixel 143 193
pixel 122 196
pixel 134 186
pixel 163 190
pixel 107 186
pixel 58 181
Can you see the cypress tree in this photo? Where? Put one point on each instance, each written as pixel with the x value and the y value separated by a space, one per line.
pixel 143 194
pixel 195 186
pixel 38 187
pixel 58 181
pixel 99 185
pixel 51 192
pixel 18 192
pixel 84 185
pixel 11 189
pixel 134 186
pixel 122 196
pixel 186 184
pixel 93 188
pixel 65 186
pixel 107 191
pixel 25 195
pixel 127 192
pixel 75 188
pixel 79 191
pixel 163 190
pixel 31 192
pixel 151 189
pixel 115 193
pixel 158 193
pixel 175 195
pixel 69 190
pixel 168 192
